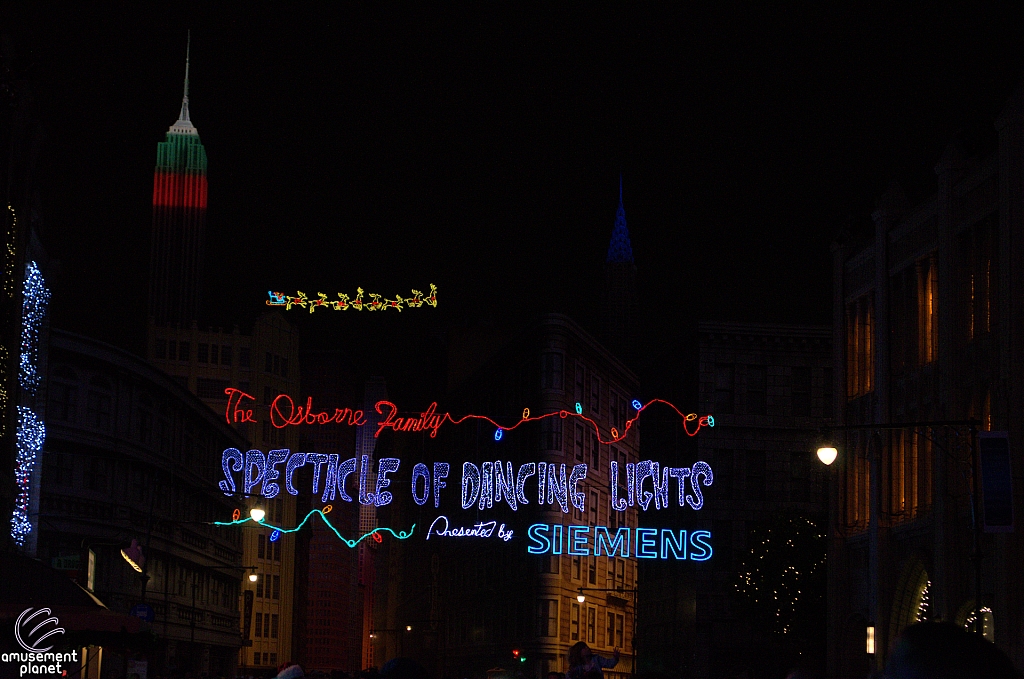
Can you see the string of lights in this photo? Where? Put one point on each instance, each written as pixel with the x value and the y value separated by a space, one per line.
pixel 10 245
pixel 344 302
pixel 31 433
pixel 31 430
pixel 616 436
pixel 35 298
pixel 375 533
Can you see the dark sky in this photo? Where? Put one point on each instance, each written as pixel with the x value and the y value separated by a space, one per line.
pixel 480 148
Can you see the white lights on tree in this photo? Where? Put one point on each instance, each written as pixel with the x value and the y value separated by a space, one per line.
pixel 31 433
pixel 31 430
pixel 35 297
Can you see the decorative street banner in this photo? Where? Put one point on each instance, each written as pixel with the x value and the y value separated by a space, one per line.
pixel 646 484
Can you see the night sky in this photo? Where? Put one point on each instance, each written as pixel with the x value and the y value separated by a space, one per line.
pixel 480 149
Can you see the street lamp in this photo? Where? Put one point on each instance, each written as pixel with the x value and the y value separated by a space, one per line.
pixel 257 514
pixel 253 577
pixel 827 454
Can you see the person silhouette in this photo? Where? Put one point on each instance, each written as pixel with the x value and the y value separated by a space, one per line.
pixel 942 650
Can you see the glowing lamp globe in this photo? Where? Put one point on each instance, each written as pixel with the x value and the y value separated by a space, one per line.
pixel 257 514
pixel 827 455
pixel 253 577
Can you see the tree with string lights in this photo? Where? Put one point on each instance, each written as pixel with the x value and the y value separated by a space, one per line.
pixel 781 585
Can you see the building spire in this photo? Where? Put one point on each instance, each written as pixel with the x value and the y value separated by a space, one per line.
pixel 619 249
pixel 184 125
pixel 184 100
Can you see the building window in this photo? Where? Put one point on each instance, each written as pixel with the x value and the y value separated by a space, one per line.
pixel 860 346
pixel 578 443
pixel 800 478
pixel 592 571
pixel 277 549
pixel 273 626
pixel 245 357
pixel 551 371
pixel 591 625
pixel 96 475
pixel 213 354
pixel 63 398
pixel 579 392
pixel 725 375
pixel 225 355
pixel 256 657
pixel 620 628
pixel 828 393
pixel 98 409
pixel 259 586
pixel 595 395
pixel 978 260
pixel 927 309
pixel 266 625
pixel 549 563
pixel 756 389
pixel 613 409
pixel 802 392
pixel 547 618
pixel 210 388
pixel 610 632
pixel 755 474
pixel 277 586
pixel 261 546
pixel 203 353
pixel 574 623
pixel 595 452
pixel 576 572
pixel 273 656
pixel 259 629
pixel 551 433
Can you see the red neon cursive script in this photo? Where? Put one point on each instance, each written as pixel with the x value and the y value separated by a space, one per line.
pixel 426 420
pixel 234 412
pixel 298 415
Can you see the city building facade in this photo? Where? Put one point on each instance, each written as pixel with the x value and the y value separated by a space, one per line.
pixel 132 457
pixel 769 388
pixel 927 320
pixel 463 607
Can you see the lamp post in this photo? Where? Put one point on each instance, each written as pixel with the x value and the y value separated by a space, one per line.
pixel 827 453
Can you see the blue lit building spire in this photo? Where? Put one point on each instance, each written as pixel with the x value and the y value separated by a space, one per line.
pixel 619 249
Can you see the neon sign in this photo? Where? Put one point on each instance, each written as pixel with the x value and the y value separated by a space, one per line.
pixel 375 533
pixel 483 485
pixel 482 529
pixel 648 543
pixel 283 412
pixel 344 302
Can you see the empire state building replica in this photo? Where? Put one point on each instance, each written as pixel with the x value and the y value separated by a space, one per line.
pixel 179 219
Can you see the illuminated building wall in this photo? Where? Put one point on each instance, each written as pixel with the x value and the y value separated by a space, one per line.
pixel 179 219
pixel 470 602
pixel 264 364
pixel 130 454
pixel 927 303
